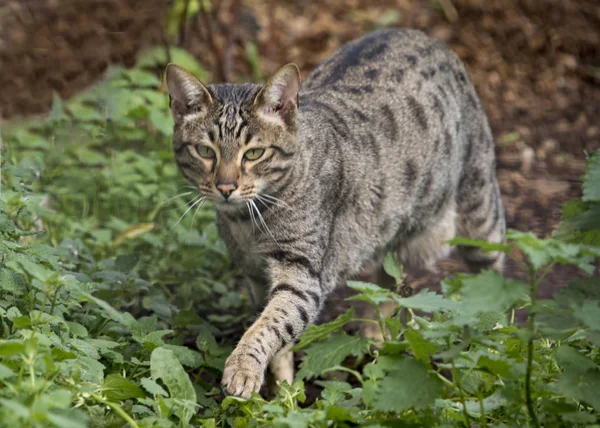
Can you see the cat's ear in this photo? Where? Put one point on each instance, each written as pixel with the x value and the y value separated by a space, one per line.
pixel 278 100
pixel 185 92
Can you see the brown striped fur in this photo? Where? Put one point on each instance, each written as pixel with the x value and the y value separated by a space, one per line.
pixel 384 146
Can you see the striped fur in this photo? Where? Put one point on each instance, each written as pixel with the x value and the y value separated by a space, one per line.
pixel 386 146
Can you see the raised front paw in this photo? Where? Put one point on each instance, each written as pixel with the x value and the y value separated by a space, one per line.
pixel 243 374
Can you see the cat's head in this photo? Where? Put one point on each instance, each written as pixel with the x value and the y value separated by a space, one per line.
pixel 233 142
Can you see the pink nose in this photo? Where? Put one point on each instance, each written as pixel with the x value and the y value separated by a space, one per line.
pixel 226 189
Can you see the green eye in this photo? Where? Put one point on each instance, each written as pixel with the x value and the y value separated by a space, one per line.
pixel 254 154
pixel 205 152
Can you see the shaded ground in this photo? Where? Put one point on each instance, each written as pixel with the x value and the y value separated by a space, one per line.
pixel 535 63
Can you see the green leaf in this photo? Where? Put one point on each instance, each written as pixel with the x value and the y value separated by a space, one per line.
pixel 181 57
pixel 496 364
pixel 153 388
pixel 389 18
pixel 294 420
pixel 589 314
pixel 17 408
pixel 319 332
pixel 77 330
pixel 370 293
pixel 484 245
pixel 85 348
pixel 409 385
pixel 5 372
pixel 71 419
pixel 154 339
pixel 591 181
pixel 165 366
pixel 110 312
pixel 35 270
pixel 580 378
pixel 11 347
pixel 60 398
pixel 186 356
pixel 427 301
pixel 205 341
pixel 421 348
pixel 392 266
pixel 57 111
pixel 118 388
pixel 491 292
pixel 332 352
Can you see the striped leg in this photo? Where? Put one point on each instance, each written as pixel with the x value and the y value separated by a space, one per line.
pixel 281 368
pixel 482 217
pixel 294 303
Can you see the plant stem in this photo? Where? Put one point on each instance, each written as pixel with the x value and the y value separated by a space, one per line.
pixel 531 329
pixel 482 418
pixel 117 409
pixel 461 394
pixel 346 369
pixel 54 300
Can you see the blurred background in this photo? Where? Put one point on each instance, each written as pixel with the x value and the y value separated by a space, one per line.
pixel 535 63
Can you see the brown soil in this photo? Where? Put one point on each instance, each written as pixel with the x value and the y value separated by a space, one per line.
pixel 535 63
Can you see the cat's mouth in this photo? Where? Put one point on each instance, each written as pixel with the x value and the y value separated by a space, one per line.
pixel 230 203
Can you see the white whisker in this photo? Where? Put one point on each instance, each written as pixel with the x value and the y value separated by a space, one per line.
pixel 267 202
pixel 168 201
pixel 274 200
pixel 196 200
pixel 263 201
pixel 172 198
pixel 198 208
pixel 262 220
pixel 252 220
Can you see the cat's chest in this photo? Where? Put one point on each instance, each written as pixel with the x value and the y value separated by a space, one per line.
pixel 243 234
pixel 247 242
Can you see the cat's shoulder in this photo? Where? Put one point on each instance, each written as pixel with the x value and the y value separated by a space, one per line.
pixel 381 57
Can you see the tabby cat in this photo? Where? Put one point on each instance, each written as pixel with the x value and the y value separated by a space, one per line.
pixel 385 146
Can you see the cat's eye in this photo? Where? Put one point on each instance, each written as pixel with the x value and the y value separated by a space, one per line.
pixel 205 152
pixel 254 154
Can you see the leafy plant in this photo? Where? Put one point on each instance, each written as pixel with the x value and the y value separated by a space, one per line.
pixel 581 219
pixel 117 309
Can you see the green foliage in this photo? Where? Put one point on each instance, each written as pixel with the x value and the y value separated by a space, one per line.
pixel 115 310
pixel 581 219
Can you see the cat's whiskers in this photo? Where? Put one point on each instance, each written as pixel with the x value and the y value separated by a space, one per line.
pixel 172 198
pixel 262 220
pixel 262 201
pixel 252 221
pixel 273 200
pixel 196 200
pixel 198 208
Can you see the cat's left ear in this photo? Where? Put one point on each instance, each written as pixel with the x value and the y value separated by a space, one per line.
pixel 277 101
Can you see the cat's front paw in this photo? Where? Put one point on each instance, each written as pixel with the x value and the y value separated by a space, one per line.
pixel 243 374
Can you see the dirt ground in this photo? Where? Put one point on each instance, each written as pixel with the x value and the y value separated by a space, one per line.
pixel 535 63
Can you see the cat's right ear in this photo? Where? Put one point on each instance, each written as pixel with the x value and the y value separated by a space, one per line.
pixel 186 93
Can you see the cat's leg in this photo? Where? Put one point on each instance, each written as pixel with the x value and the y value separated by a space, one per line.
pixel 429 246
pixel 481 216
pixel 281 368
pixel 295 301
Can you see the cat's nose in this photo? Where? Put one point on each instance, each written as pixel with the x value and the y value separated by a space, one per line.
pixel 226 189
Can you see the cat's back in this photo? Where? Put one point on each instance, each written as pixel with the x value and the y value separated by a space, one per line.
pixel 386 59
